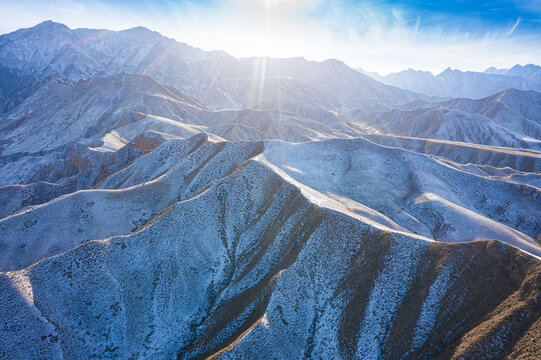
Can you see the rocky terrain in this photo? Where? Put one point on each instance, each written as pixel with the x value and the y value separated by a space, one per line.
pixel 159 201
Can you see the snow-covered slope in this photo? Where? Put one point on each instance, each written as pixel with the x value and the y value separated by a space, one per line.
pixel 511 118
pixel 96 106
pixel 441 202
pixel 277 252
pixel 106 113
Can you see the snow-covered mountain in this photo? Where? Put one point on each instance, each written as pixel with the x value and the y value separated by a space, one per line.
pixel 217 248
pixel 470 84
pixel 106 113
pixel 511 118
pixel 159 201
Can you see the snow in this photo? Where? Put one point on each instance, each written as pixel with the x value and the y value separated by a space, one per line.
pixel 386 296
pixel 431 304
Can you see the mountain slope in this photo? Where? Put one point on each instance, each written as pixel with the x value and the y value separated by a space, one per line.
pixel 243 265
pixel 81 169
pixel 47 134
pixel 97 105
pixel 442 203
pixel 217 79
pixel 510 118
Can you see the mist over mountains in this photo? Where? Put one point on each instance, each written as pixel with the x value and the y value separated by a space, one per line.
pixel 161 201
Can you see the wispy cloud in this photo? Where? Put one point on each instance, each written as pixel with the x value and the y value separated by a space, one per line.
pixel 514 27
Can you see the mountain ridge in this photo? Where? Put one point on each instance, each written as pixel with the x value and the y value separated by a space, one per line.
pixel 469 84
pixel 227 330
pixel 161 57
pixel 160 201
pixel 508 118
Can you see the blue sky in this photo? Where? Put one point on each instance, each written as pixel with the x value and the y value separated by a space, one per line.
pixel 384 36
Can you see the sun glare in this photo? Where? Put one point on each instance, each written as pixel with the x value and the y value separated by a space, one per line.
pixel 366 34
pixel 264 27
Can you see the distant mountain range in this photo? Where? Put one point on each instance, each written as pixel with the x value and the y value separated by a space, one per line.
pixel 159 201
pixel 470 84
pixel 219 80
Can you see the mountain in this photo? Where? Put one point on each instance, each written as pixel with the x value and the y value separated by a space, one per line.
pixel 217 79
pixel 159 201
pixel 15 87
pixel 510 118
pixel 60 131
pixel 100 105
pixel 107 113
pixel 493 70
pixel 530 72
pixel 469 84
pixel 236 258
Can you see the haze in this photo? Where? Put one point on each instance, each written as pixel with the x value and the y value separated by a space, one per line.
pixel 382 36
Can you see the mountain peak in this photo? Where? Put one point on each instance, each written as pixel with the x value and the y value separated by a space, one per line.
pixel 449 71
pixel 50 25
pixel 140 29
pixel 528 71
pixel 414 71
pixel 527 66
pixel 495 71
pixel 333 62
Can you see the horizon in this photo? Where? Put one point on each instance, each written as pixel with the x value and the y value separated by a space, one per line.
pixel 384 37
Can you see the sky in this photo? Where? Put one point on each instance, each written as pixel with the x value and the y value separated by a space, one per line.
pixel 383 36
